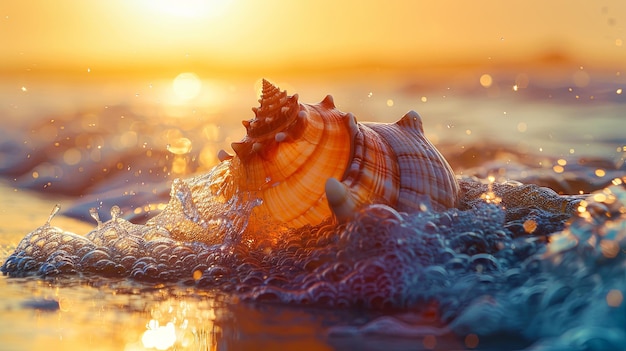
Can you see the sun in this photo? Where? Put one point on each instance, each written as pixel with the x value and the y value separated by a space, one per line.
pixel 188 8
pixel 187 86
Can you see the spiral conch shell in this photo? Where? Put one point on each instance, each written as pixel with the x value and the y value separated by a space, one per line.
pixel 308 162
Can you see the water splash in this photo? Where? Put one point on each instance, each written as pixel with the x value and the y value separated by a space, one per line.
pixel 93 212
pixel 477 266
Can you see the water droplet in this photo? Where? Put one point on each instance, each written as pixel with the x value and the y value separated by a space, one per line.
pixel 54 212
pixel 115 212
pixel 93 212
pixel 179 146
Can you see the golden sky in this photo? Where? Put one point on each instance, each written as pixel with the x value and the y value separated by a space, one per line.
pixel 252 35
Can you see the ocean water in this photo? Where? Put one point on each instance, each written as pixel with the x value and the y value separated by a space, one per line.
pixel 516 266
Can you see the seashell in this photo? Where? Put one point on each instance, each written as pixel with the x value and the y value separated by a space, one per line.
pixel 308 162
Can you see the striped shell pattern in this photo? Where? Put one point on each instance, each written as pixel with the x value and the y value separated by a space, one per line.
pixel 309 162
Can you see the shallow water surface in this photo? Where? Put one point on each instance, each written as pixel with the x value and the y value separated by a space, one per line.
pixel 544 272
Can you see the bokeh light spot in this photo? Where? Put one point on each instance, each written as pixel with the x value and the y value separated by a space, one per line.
pixel 179 165
pixel 72 156
pixel 471 341
pixel 614 298
pixel 486 80
pixel 197 274
pixel 530 226
pixel 430 342
pixel 609 248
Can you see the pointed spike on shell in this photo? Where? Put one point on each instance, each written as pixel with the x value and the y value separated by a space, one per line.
pixel 411 120
pixel 239 148
pixel 328 102
pixel 222 155
pixel 340 200
pixel 280 137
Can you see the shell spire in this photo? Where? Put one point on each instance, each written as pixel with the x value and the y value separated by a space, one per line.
pixel 277 119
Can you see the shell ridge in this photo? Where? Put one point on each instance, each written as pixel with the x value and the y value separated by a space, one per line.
pixel 411 120
pixel 373 175
pixel 419 163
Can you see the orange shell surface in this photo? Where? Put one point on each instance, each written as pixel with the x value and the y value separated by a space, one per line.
pixel 289 175
pixel 294 153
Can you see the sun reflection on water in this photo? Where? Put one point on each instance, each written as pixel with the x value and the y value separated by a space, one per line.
pixel 187 86
pixel 159 337
pixel 182 324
